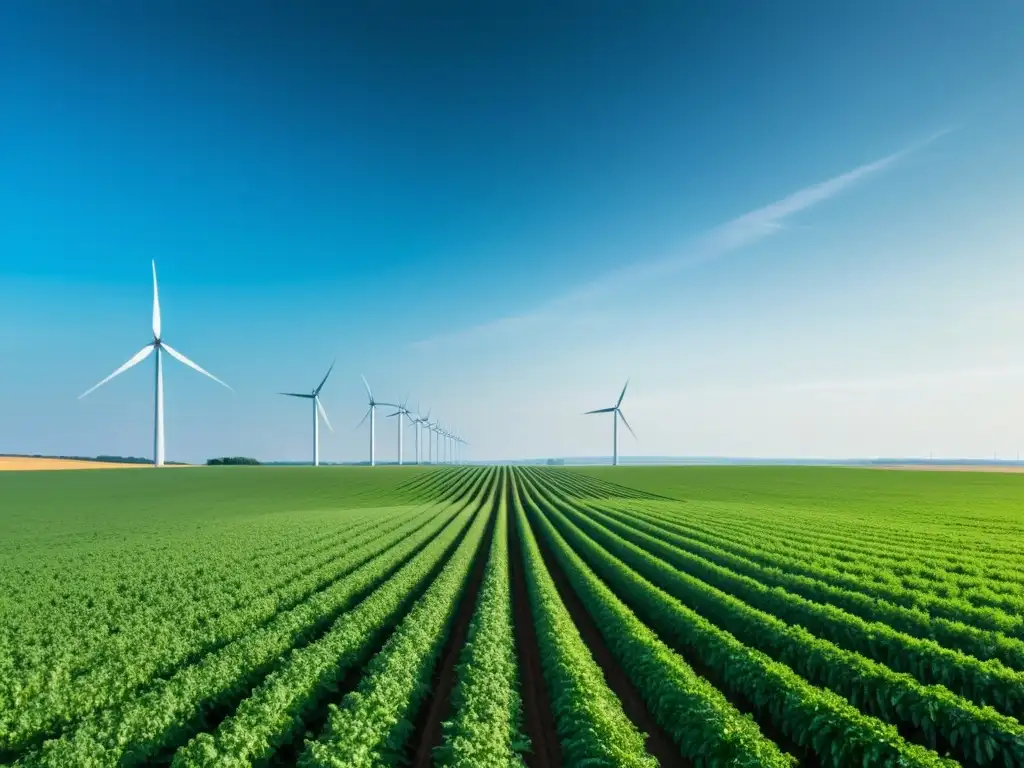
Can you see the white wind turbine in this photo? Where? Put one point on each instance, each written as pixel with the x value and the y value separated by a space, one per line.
pixel 318 411
pixel 447 433
pixel 160 346
pixel 371 413
pixel 402 411
pixel 419 421
pixel 431 440
pixel 616 410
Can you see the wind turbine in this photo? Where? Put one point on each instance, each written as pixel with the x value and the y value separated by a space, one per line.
pixel 616 410
pixel 419 421
pixel 158 345
pixel 372 414
pixel 318 411
pixel 431 435
pixel 442 437
pixel 402 411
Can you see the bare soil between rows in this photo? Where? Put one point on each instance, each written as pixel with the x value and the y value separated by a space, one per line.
pixel 429 725
pixel 658 742
pixel 538 719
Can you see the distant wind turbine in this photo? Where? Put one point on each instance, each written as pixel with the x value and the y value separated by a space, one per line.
pixel 159 345
pixel 431 439
pixel 616 410
pixel 318 411
pixel 402 411
pixel 420 422
pixel 372 415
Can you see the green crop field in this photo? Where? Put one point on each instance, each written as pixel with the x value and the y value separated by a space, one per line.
pixel 458 616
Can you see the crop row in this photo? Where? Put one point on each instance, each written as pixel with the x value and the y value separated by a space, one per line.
pixel 175 708
pixel 982 644
pixel 373 723
pixel 592 727
pixel 275 713
pixel 984 682
pixel 151 655
pixel 948 608
pixel 705 727
pixel 485 727
pixel 815 719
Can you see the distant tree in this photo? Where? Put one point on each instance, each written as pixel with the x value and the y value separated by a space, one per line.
pixel 556 462
pixel 226 461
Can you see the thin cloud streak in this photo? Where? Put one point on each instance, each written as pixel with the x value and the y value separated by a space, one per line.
pixel 734 235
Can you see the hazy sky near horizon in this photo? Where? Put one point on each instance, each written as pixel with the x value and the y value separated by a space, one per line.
pixel 798 228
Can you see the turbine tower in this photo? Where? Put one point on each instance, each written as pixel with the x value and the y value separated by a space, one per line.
pixel 159 346
pixel 318 411
pixel 617 414
pixel 372 415
pixel 431 439
pixel 419 421
pixel 402 411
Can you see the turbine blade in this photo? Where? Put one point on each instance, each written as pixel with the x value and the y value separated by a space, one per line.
pixel 623 394
pixel 323 413
pixel 182 359
pixel 324 380
pixel 599 410
pixel 137 358
pixel 156 305
pixel 365 417
pixel 295 394
pixel 367 385
pixel 623 417
pixel 392 415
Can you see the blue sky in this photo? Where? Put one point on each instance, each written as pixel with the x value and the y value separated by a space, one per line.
pixel 796 227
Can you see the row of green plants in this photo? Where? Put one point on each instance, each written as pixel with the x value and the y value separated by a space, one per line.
pixel 979 643
pixel 983 580
pixel 486 723
pixel 990 563
pixel 817 720
pixel 707 729
pixel 276 712
pixel 121 623
pixel 824 568
pixel 141 654
pixel 91 596
pixel 172 710
pixel 372 725
pixel 852 537
pixel 984 682
pixel 942 719
pixel 592 728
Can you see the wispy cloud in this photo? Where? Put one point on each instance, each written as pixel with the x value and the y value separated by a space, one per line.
pixel 727 238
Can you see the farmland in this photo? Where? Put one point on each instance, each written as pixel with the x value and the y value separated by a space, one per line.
pixel 472 616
